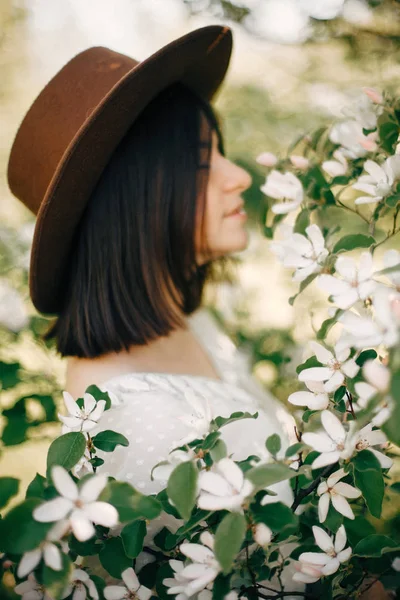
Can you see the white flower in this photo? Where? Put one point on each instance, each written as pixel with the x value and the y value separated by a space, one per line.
pixel 79 584
pixel 223 488
pixel 305 254
pixel 198 420
pixel 379 181
pixel 82 419
pixel 31 589
pixel 300 162
pixel 356 283
pixel 132 588
pixel 47 550
pixel 378 380
pixel 391 258
pixel 365 439
pixel 13 314
pixel 283 186
pixel 262 534
pixel 337 167
pixel 335 491
pixel 194 577
pixel 78 505
pixel 267 159
pixel 83 466
pixel 366 332
pixel 349 135
pixel 162 472
pixel 331 443
pixel 315 399
pixel 364 111
pixel 337 367
pixel 326 562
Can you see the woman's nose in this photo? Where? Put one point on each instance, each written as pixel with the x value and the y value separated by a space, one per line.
pixel 240 178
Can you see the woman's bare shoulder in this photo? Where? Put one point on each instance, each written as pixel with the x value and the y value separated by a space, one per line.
pixel 81 373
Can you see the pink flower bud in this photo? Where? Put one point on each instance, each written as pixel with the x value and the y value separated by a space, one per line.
pixel 267 159
pixel 300 162
pixel 368 143
pixel 373 94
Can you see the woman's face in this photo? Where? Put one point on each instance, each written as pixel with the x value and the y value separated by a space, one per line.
pixel 225 219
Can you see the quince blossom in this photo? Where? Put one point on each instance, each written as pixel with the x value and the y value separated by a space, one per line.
pixel 315 399
pixel 283 186
pixel 336 491
pixel 314 565
pixel 267 159
pixel 198 420
pixel 299 162
pixel 262 534
pixel 193 578
pixel 132 588
pixel 47 550
pixel 223 488
pixel 304 253
pixel 337 167
pixel 337 367
pixel 356 283
pixel 350 137
pixel 379 181
pixel 364 110
pixel 330 443
pixel 364 332
pixel 81 419
pixel 78 586
pixel 30 589
pixel 365 439
pixel 79 506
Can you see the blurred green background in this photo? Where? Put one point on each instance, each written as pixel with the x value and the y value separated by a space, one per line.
pixel 295 65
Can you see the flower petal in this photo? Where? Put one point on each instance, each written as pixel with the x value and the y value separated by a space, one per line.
pixel 322 539
pixel 334 382
pixel 321 442
pixel 214 483
pixel 384 460
pixel 64 483
pixel 82 528
pixel 322 354
pixel 315 374
pixel 346 490
pixel 91 489
pixel 53 510
pixel 29 561
pixel 71 405
pixel 333 426
pixel 52 556
pixel 101 513
pixel 342 506
pixel 143 593
pixel 323 507
pixel 130 579
pixel 114 592
pixel 98 411
pixel 197 552
pixel 89 403
pixel 231 472
pixel 331 567
pixel 340 539
pixel 314 558
pixel 326 458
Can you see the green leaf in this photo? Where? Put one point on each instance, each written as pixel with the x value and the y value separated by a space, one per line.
pixel 388 134
pixel 181 488
pixel 308 364
pixel 55 582
pixel 375 545
pixel 66 450
pixel 349 242
pixel 19 532
pixel 130 503
pixel 8 488
pixel 9 374
pixel 221 586
pixel 391 426
pixel 307 414
pixel 211 440
pixel 369 479
pixel 302 222
pixel 328 324
pixel 392 201
pixel 268 474
pixel 113 557
pixel 228 540
pixel 98 394
pixel 219 451
pixel 339 393
pixel 305 283
pixel 132 536
pixel 273 444
pixel 277 516
pixel 108 440
pixel 294 449
pixel 89 548
pixel 36 487
pixel 236 416
pixel 366 355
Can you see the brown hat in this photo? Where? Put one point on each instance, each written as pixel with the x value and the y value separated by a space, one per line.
pixel 72 128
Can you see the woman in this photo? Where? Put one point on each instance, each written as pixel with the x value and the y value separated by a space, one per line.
pixel 137 209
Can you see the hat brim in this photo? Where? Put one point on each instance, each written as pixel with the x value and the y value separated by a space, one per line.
pixel 199 59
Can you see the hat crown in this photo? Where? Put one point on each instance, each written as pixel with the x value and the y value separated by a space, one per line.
pixel 60 111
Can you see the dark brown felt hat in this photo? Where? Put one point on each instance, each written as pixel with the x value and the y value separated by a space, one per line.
pixel 72 128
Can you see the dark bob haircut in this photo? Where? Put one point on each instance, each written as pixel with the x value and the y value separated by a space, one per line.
pixel 133 269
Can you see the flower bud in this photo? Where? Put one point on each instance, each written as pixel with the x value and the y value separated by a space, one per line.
pixel 373 94
pixel 262 534
pixel 267 159
pixel 300 162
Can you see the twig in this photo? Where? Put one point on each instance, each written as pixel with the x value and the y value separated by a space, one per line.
pixel 303 493
pixel 350 399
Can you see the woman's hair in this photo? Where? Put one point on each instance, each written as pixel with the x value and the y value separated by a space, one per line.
pixel 133 269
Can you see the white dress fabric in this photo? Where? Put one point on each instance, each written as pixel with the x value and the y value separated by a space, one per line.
pixel 150 406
